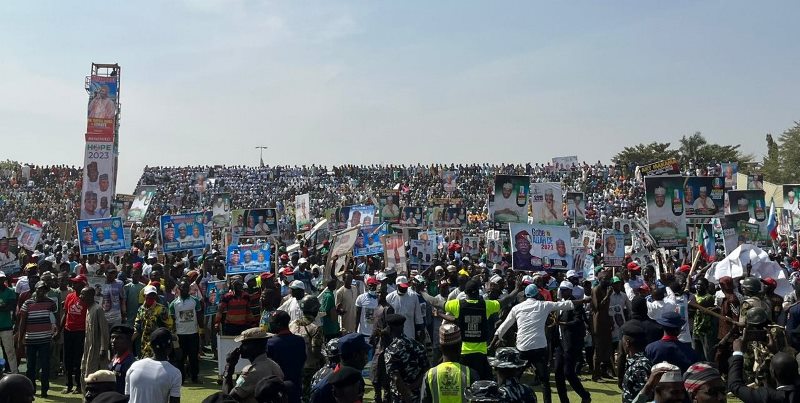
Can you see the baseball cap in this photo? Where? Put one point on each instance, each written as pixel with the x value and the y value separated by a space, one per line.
pixel 150 290
pixel 572 273
pixel 566 285
pixel 531 291
pixel 373 281
pixel 402 281
pixel 297 285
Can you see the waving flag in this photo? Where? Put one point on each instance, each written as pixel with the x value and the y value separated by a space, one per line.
pixel 772 224
pixel 706 243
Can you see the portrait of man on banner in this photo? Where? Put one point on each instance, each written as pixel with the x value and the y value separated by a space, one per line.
pixel 509 203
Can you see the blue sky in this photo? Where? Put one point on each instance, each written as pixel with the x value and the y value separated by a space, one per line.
pixel 203 82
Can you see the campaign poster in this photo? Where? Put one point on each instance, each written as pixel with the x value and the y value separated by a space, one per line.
pixel 509 203
pixel 341 246
pixel 199 182
pixel 449 181
pixel 540 247
pixel 390 210
pixel 546 203
pixel 254 223
pixel 9 255
pixel 411 217
pixel 422 252
pixel 451 217
pixel 121 206
pixel 588 239
pixel 471 245
pixel 785 223
pixel 669 166
pixel 752 202
pixel 613 248
pixel 102 113
pixel 624 226
pixel 215 290
pixel 576 207
pixel 729 171
pixel 27 235
pixel 666 214
pixel 302 212
pixel 182 232
pixel 103 235
pixel 755 182
pixel 791 200
pixel 704 196
pixel 243 259
pixel 97 191
pixel 221 210
pixel 368 240
pixel 565 163
pixel 394 252
pixel 580 256
pixel 144 195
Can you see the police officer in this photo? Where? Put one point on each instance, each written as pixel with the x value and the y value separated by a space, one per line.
pixel 484 392
pixel 254 348
pixel 447 382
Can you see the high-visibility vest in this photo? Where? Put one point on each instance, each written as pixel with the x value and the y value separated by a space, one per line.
pixel 447 382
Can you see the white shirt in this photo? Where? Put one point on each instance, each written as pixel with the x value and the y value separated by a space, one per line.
pixel 501 203
pixel 530 317
pixel 292 307
pixel 407 305
pixel 367 305
pixel 185 312
pixel 151 381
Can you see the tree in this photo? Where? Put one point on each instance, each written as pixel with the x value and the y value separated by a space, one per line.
pixel 641 154
pixel 697 150
pixel 789 155
pixel 771 167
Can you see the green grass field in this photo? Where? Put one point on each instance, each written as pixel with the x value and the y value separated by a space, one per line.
pixel 601 392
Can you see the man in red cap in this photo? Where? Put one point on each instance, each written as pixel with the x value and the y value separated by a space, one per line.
pixel 73 325
pixel 522 257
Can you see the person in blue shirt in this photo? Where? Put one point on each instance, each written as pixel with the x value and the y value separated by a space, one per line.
pixel 122 348
pixel 669 348
pixel 288 351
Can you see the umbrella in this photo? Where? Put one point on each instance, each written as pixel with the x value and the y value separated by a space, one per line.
pixel 734 265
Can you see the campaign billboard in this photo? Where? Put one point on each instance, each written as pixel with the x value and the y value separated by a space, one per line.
pixel 394 251
pixel 411 217
pixel 9 255
pixel 182 232
pixel 576 207
pixel 103 235
pixel 144 195
pixel 368 240
pixel 752 202
pixel 669 166
pixel 447 217
pixel 540 247
pixel 791 200
pixel 471 245
pixel 666 214
pixel 509 203
pixel 254 223
pixel 27 235
pixel 221 210
pixel 704 196
pixel 121 206
pixel 389 209
pixel 546 203
pixel 215 290
pixel 97 191
pixel 613 248
pixel 102 110
pixel 422 252
pixel 349 216
pixel 302 212
pixel 247 259
pixel 565 163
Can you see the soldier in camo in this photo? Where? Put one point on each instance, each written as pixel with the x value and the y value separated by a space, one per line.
pixel 751 288
pixel 331 354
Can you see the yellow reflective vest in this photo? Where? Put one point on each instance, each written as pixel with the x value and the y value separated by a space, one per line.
pixel 447 382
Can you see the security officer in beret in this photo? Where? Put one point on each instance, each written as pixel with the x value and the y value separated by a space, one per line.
pixel 122 349
pixel 254 348
pixel 348 385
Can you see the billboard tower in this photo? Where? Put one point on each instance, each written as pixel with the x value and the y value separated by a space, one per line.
pixel 102 141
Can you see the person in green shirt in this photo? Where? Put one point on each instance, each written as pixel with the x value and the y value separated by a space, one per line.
pixel 330 322
pixel 131 292
pixel 472 317
pixel 703 330
pixel 8 301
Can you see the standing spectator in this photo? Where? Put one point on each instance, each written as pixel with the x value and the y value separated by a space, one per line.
pixel 330 322
pixel 366 304
pixel 601 326
pixel 113 298
pixel 407 305
pixel 573 331
pixel 8 301
pixel 122 349
pixel 288 351
pixel 233 315
pixel 406 362
pixel 73 326
pixel 345 298
pixel 152 380
pixel 314 340
pixel 151 316
pixel 187 315
pixel 131 292
pixel 95 345
pixel 35 333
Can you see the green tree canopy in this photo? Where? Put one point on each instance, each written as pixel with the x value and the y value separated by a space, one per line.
pixel 694 148
pixel 641 154
pixel 782 163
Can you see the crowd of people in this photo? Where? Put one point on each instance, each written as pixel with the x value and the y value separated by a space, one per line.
pixel 134 326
